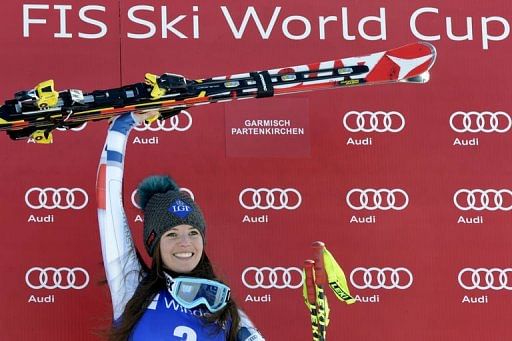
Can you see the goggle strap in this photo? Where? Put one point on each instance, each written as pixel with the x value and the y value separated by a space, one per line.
pixel 228 296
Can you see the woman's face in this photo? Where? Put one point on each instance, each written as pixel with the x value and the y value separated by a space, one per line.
pixel 181 248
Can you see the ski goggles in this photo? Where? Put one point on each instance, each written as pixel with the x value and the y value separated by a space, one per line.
pixel 191 292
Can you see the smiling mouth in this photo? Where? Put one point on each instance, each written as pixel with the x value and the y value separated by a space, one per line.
pixel 183 255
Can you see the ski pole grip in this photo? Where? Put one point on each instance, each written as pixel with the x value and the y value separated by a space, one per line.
pixel 318 257
pixel 310 280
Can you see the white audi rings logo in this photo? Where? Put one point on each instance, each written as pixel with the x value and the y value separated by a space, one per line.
pixel 480 122
pixel 57 278
pixel 381 278
pixel 484 279
pixel 377 199
pixel 134 196
pixel 173 123
pixel 378 121
pixel 480 199
pixel 51 198
pixel 266 198
pixel 277 278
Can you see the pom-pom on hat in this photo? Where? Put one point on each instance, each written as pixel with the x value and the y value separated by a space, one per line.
pixel 164 207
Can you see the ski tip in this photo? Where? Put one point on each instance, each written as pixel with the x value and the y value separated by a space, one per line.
pixel 427 44
pixel 419 48
pixel 432 49
pixel 415 60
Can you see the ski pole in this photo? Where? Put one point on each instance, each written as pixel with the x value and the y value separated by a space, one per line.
pixel 309 293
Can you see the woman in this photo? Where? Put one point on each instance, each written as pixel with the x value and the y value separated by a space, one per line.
pixel 178 297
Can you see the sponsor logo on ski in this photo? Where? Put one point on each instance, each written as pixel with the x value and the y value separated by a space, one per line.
pixel 377 199
pixel 272 277
pixel 483 199
pixel 381 278
pixel 270 198
pixel 485 278
pixel 52 198
pixel 480 122
pixel 379 121
pixel 174 123
pixel 57 278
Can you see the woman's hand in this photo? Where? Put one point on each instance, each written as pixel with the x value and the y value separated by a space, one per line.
pixel 149 116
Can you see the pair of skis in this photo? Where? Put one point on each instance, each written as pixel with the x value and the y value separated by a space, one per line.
pixel 318 273
pixel 36 112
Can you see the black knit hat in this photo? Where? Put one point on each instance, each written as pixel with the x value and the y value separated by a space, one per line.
pixel 164 207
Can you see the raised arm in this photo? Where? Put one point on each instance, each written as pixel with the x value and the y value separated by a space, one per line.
pixel 247 331
pixel 122 267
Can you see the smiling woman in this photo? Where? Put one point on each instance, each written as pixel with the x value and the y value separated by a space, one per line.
pixel 181 248
pixel 178 295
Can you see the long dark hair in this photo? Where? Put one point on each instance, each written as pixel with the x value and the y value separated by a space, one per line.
pixel 152 281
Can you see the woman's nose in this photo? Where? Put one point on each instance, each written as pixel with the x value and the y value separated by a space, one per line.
pixel 184 239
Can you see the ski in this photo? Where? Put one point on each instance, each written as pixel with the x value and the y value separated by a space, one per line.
pixel 35 113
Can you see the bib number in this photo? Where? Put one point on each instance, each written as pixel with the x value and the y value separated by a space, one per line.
pixel 185 333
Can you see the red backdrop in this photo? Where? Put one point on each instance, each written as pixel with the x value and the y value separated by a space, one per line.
pixel 430 260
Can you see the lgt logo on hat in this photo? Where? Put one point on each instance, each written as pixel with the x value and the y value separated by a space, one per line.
pixel 180 208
